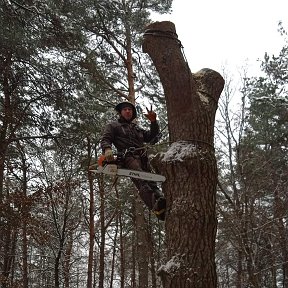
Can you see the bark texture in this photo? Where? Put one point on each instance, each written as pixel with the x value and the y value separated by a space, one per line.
pixel 189 164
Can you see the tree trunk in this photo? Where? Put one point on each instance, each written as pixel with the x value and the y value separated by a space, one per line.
pixel 239 275
pixel 133 250
pixel 25 215
pixel 67 260
pixel 91 224
pixel 151 249
pixel 9 251
pixel 141 243
pixel 102 235
pixel 114 253
pixel 122 246
pixel 279 215
pixel 122 254
pixel 190 162
pixel 25 255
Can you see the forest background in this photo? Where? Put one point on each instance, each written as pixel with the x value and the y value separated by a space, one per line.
pixel 64 65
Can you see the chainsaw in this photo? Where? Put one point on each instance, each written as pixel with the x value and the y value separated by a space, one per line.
pixel 111 168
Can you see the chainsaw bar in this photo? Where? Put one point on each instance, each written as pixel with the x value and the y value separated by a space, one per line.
pixel 112 169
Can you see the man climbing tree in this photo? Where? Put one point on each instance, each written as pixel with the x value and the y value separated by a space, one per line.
pixel 129 139
pixel 190 164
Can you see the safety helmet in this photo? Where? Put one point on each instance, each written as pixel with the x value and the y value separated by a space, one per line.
pixel 122 105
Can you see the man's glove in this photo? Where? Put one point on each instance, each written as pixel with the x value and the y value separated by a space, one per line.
pixel 151 115
pixel 109 154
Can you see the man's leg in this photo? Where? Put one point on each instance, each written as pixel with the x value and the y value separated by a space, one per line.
pixel 148 190
pixel 145 191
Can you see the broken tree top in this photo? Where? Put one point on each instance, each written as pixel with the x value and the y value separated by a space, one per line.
pixel 190 97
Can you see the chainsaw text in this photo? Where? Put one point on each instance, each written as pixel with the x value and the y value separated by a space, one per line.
pixel 134 174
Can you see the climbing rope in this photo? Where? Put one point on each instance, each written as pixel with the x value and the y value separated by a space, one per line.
pixel 194 141
pixel 174 36
pixel 161 33
pixel 167 34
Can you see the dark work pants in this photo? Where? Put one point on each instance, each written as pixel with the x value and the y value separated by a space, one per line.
pixel 147 189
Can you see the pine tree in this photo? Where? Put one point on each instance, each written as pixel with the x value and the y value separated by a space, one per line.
pixel 254 184
pixel 60 68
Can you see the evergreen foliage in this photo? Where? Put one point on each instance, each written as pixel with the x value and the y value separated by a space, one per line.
pixel 253 222
pixel 63 64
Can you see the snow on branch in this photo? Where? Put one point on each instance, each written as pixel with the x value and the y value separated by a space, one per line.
pixel 178 151
pixel 172 266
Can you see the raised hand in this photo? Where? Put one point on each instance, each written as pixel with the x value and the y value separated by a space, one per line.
pixel 151 115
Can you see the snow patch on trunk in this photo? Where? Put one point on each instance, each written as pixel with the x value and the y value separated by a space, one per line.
pixel 178 151
pixel 203 96
pixel 171 266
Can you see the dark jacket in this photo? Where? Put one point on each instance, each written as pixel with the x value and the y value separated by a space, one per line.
pixel 123 135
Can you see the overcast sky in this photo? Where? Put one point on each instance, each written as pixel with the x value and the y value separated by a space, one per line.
pixel 217 33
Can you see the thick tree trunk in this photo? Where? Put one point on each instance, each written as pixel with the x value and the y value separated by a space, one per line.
pixel 189 164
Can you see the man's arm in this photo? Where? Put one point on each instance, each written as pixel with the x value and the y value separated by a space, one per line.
pixel 107 140
pixel 154 127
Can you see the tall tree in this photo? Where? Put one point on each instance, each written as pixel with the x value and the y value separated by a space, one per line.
pixel 266 143
pixel 190 163
pixel 27 86
pixel 116 27
pixel 44 46
pixel 255 187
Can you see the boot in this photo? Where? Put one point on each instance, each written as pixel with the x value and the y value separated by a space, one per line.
pixel 158 194
pixel 159 208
